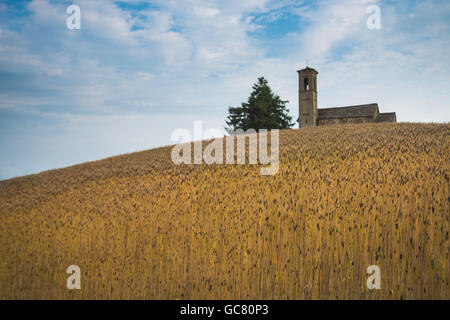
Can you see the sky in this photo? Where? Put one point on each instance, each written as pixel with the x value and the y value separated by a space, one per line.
pixel 136 70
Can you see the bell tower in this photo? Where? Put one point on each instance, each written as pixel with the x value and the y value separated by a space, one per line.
pixel 307 97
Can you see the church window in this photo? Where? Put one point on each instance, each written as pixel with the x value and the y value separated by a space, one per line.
pixel 306 84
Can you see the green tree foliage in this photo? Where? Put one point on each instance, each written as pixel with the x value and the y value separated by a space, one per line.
pixel 263 110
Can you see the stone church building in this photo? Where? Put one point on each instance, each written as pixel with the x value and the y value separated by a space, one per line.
pixel 309 115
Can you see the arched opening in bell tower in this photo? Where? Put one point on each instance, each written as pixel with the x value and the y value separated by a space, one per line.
pixel 306 84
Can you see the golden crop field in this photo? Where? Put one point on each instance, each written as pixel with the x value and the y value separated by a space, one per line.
pixel 140 227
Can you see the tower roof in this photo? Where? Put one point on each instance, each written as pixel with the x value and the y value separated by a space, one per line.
pixel 307 69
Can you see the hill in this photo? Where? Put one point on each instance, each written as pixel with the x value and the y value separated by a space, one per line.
pixel 138 226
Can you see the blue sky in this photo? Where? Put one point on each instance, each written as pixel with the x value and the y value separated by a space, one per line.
pixel 137 70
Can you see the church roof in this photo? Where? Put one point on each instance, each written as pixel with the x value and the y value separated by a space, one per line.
pixel 386 117
pixel 365 110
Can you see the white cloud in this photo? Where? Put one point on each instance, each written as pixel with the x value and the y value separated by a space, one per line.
pixel 206 12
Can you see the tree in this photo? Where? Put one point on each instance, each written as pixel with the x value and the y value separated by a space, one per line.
pixel 263 110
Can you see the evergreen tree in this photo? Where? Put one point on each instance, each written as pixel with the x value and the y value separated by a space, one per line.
pixel 263 110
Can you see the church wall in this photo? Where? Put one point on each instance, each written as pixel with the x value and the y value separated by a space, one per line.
pixel 325 122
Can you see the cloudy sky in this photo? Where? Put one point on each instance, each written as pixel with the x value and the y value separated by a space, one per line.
pixel 138 70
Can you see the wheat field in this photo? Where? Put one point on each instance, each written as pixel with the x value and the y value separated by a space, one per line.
pixel 140 227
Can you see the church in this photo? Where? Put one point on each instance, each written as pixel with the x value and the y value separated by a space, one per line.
pixel 309 115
